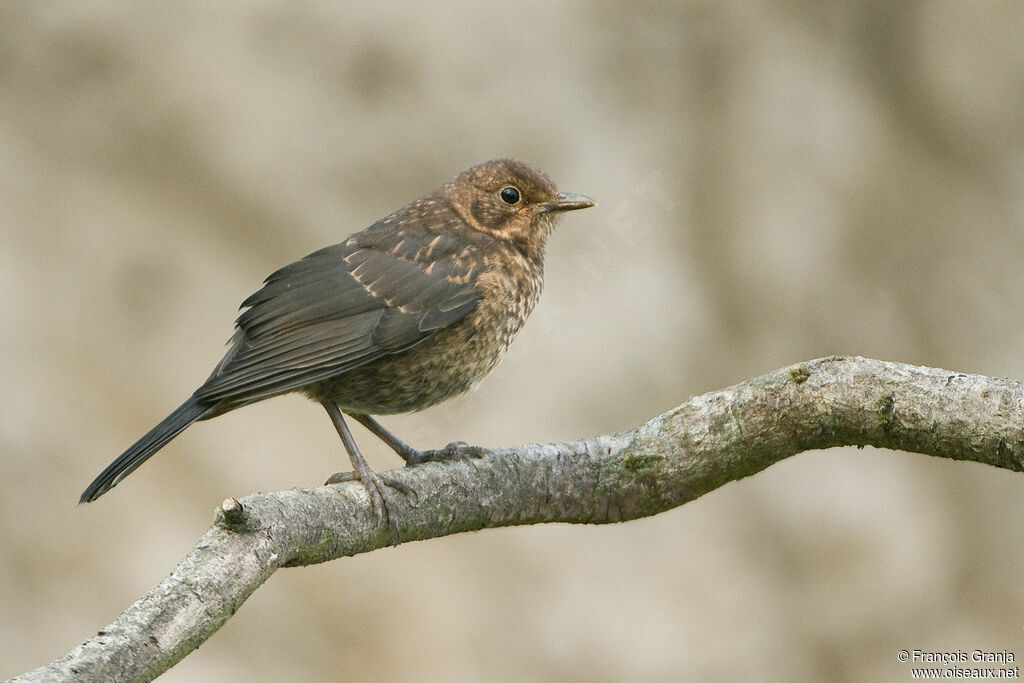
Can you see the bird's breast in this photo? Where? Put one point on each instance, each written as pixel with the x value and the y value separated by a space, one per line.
pixel 453 359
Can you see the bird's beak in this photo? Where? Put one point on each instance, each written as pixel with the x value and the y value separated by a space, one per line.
pixel 567 201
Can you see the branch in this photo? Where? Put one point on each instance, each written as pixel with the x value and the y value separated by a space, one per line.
pixel 711 440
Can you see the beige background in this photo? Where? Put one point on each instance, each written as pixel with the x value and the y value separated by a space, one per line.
pixel 777 181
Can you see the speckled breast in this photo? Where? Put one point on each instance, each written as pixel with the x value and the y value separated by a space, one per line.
pixel 450 361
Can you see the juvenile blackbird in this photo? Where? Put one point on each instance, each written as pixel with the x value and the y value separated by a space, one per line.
pixel 411 311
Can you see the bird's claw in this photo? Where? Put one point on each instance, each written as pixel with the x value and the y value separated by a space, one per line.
pixel 456 450
pixel 341 477
pixel 376 488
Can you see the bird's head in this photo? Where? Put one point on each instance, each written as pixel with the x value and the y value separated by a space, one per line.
pixel 512 201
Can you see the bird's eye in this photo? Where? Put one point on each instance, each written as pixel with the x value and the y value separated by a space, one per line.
pixel 509 195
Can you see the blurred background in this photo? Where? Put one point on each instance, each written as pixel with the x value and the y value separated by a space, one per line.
pixel 777 181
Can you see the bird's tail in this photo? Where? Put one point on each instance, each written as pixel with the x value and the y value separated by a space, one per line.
pixel 139 452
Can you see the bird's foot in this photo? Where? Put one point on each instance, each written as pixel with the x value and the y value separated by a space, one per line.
pixel 456 450
pixel 376 485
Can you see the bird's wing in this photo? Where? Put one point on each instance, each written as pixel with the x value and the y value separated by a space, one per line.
pixel 334 310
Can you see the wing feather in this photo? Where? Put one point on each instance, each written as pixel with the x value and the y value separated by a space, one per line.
pixel 336 309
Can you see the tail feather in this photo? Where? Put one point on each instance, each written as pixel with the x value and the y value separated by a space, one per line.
pixel 141 450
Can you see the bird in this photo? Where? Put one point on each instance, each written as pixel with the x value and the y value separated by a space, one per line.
pixel 409 312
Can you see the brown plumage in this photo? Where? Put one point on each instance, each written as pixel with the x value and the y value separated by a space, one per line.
pixel 411 311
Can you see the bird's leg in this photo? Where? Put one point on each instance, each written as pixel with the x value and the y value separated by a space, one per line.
pixel 374 483
pixel 453 451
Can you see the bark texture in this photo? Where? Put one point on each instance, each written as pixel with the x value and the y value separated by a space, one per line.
pixel 694 448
